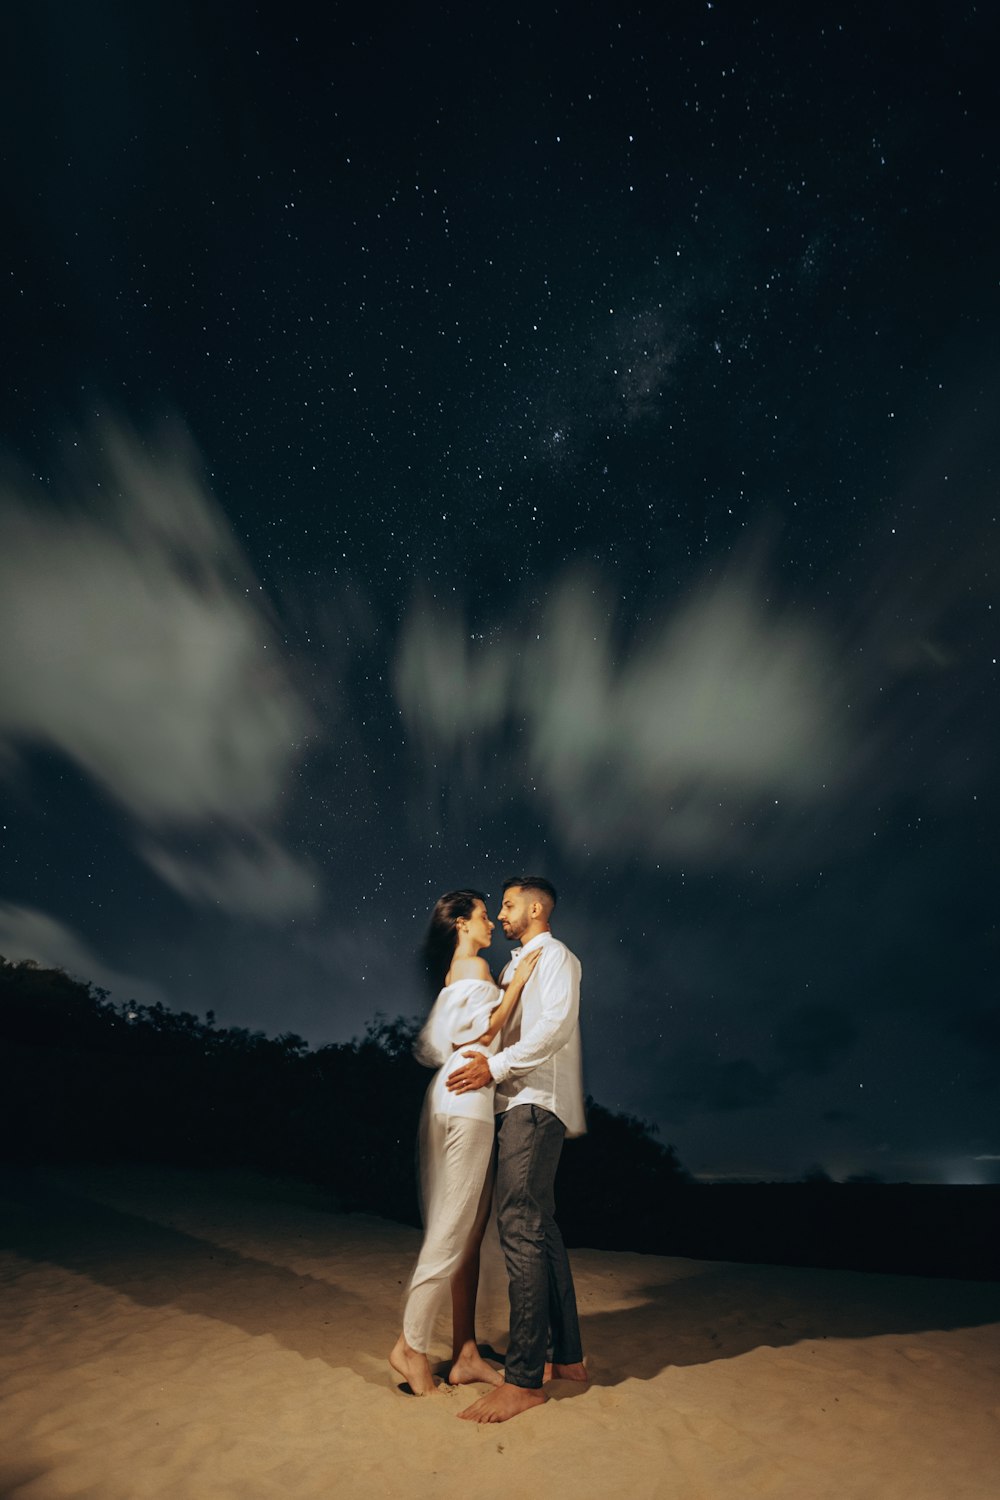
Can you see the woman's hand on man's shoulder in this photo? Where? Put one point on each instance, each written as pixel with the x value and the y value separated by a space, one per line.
pixel 469 968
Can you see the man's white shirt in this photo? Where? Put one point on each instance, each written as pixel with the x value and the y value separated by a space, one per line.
pixel 539 1061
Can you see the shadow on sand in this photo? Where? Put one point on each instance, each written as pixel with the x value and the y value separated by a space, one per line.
pixel 687 1313
pixel 158 1266
pixel 725 1310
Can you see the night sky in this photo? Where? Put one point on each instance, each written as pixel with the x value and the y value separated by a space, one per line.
pixel 560 439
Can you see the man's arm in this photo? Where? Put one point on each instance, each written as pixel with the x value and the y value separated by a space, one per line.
pixel 559 977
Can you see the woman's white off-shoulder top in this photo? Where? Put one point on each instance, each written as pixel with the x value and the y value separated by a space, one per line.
pixel 460 1013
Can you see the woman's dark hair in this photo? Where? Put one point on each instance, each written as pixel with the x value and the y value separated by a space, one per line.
pixel 439 944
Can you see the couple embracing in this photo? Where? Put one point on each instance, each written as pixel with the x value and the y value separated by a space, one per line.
pixel 507 1053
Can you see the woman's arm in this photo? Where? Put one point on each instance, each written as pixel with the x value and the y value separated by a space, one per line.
pixel 512 995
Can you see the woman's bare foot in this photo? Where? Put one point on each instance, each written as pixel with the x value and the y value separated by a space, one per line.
pixel 566 1372
pixel 502 1403
pixel 471 1369
pixel 413 1367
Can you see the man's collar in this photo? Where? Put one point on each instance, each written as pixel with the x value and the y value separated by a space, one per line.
pixel 537 941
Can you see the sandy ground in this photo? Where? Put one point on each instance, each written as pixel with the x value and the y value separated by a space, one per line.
pixel 205 1336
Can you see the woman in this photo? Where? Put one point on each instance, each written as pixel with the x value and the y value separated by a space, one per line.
pixel 456 1141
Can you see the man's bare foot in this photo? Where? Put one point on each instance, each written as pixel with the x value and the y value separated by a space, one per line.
pixel 567 1372
pixel 413 1367
pixel 471 1369
pixel 502 1403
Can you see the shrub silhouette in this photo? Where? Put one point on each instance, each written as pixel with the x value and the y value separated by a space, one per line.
pixel 83 1079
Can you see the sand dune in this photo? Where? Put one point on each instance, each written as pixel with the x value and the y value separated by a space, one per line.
pixel 205 1336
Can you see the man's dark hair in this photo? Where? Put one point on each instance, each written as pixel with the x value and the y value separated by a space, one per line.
pixel 533 883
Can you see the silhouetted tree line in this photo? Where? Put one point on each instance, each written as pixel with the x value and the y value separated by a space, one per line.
pixel 86 1080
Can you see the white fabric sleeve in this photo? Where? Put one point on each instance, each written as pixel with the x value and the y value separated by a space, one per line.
pixel 559 976
pixel 473 1016
pixel 459 1014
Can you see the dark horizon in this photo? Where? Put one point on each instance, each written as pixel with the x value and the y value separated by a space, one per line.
pixel 139 1088
pixel 59 1016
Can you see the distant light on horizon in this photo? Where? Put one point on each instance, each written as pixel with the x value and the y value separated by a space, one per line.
pixel 966 1172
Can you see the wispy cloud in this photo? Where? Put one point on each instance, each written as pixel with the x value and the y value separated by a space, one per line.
pixel 250 875
pixel 26 933
pixel 698 743
pixel 135 640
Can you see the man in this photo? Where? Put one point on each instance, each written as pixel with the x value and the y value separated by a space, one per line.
pixel 538 1101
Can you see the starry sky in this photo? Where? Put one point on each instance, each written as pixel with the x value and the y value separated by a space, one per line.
pixel 552 438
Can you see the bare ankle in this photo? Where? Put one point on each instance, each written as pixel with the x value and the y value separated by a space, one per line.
pixel 413 1367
